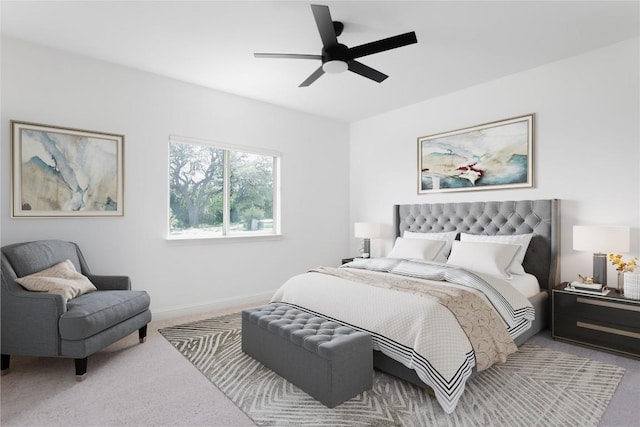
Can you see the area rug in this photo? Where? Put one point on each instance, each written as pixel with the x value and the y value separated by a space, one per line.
pixel 535 387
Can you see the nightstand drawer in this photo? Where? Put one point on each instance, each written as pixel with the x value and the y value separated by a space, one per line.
pixel 597 310
pixel 602 334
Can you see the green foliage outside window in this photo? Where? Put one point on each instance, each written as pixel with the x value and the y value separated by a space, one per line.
pixel 197 190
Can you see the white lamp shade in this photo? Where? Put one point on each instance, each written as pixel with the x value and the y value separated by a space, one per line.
pixel 600 239
pixel 367 230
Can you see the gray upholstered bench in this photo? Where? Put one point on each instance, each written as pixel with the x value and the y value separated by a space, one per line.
pixel 330 362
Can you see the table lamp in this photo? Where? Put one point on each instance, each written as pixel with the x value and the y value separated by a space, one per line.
pixel 600 240
pixel 367 231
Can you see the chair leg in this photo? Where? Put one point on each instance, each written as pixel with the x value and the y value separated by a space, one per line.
pixel 81 369
pixel 6 359
pixel 142 334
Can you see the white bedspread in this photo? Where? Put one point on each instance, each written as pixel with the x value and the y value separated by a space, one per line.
pixel 418 330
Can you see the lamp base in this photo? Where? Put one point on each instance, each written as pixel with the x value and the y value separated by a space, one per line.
pixel 366 248
pixel 600 268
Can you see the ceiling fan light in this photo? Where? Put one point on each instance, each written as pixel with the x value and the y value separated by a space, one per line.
pixel 334 66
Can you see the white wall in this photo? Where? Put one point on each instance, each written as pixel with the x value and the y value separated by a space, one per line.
pixel 53 87
pixel 587 145
pixel 587 153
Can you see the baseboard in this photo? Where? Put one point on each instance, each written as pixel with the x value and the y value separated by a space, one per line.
pixel 219 304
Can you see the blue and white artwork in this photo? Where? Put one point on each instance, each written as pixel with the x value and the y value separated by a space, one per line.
pixel 485 157
pixel 59 172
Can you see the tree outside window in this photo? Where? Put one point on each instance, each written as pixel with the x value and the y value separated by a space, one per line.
pixel 218 191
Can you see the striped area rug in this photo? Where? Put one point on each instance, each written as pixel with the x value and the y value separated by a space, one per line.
pixel 535 387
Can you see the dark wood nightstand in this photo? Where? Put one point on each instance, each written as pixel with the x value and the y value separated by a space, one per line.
pixel 610 322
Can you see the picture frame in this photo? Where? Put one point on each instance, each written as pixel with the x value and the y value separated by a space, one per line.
pixel 490 156
pixel 66 172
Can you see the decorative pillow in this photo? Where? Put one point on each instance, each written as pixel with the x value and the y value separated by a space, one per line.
pixel 447 236
pixel 483 257
pixel 416 248
pixel 517 239
pixel 61 279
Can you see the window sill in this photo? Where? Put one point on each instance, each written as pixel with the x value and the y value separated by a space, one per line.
pixel 233 238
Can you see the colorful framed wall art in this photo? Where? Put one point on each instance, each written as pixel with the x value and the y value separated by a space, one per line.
pixel 491 156
pixel 63 172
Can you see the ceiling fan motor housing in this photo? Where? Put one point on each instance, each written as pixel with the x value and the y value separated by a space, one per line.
pixel 335 58
pixel 338 52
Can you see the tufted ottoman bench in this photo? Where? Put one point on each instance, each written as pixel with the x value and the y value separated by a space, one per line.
pixel 330 362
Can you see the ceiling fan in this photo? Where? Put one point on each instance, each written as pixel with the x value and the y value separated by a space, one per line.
pixel 337 57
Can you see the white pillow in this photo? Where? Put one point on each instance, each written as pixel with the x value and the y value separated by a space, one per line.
pixel 447 236
pixel 517 239
pixel 61 279
pixel 483 257
pixel 416 249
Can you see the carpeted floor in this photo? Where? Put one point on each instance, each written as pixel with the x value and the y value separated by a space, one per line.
pixel 152 384
pixel 536 387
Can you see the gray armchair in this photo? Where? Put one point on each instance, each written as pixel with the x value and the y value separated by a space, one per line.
pixel 45 325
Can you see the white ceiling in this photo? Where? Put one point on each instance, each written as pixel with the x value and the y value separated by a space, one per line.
pixel 211 43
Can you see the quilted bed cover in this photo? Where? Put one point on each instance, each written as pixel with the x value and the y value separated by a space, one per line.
pixel 438 320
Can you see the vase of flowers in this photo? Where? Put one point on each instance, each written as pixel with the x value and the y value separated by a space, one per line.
pixel 628 280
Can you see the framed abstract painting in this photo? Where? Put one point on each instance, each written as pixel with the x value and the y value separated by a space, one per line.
pixel 490 156
pixel 62 172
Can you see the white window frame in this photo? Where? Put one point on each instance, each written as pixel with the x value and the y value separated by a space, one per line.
pixel 226 204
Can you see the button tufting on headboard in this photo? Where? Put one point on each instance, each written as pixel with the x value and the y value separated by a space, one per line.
pixel 540 217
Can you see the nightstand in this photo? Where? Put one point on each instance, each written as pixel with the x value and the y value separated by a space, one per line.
pixel 610 322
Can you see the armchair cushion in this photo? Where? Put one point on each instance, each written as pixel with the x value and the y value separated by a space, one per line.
pixel 92 313
pixel 61 279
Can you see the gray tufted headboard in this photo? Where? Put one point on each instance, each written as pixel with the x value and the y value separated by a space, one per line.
pixel 540 217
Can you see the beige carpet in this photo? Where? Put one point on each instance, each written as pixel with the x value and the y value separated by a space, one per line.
pixel 128 384
pixel 152 384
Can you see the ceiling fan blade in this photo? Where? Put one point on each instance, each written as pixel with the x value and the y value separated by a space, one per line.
pixel 325 25
pixel 286 55
pixel 382 45
pixel 366 71
pixel 313 77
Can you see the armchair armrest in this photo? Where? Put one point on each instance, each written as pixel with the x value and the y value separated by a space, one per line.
pixel 110 283
pixel 55 302
pixel 30 322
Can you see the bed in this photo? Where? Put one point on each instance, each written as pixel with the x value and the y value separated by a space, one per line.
pixel 414 338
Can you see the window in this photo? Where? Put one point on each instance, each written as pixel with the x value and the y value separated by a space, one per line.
pixel 217 190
